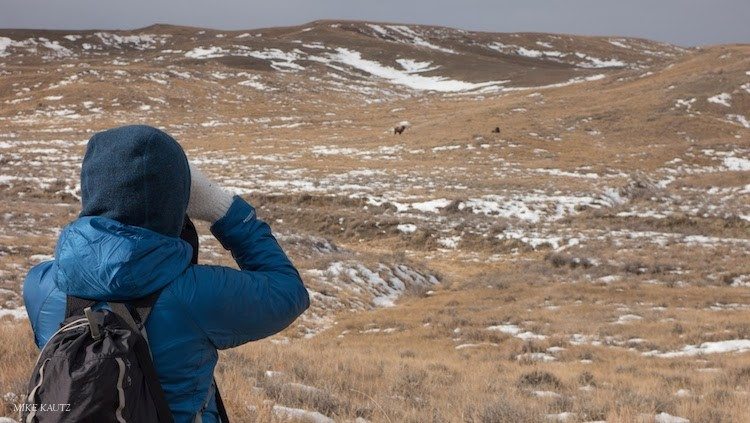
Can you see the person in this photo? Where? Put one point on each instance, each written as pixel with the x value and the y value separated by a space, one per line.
pixel 136 188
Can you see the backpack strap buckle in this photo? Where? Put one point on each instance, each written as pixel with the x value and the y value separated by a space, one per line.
pixel 93 324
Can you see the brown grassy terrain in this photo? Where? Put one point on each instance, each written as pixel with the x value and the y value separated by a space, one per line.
pixel 589 262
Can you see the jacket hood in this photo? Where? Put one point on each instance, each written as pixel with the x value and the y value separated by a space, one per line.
pixel 137 175
pixel 102 259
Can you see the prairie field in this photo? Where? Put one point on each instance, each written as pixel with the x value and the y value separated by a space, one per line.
pixel 560 234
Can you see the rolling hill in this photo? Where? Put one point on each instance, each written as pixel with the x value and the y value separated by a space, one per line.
pixel 560 234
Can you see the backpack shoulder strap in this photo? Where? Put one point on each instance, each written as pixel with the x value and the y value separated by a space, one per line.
pixel 135 312
pixel 143 306
pixel 143 353
pixel 74 306
pixel 141 310
pixel 224 418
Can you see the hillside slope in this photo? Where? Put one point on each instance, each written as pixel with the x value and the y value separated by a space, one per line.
pixel 588 257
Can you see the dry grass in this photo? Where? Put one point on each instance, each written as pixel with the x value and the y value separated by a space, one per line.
pixel 416 373
pixel 17 356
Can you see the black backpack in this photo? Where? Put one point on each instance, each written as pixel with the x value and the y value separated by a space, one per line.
pixel 97 368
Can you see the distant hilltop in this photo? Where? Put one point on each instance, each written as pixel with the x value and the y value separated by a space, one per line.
pixel 415 57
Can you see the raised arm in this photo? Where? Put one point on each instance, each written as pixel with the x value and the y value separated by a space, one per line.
pixel 236 306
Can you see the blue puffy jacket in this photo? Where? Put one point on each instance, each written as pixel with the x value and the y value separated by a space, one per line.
pixel 201 309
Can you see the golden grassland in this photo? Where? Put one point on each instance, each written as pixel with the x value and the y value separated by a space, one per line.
pixel 432 358
pixel 415 373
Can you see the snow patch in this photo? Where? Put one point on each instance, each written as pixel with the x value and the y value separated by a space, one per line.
pixel 413 66
pixel 432 206
pixel 742 120
pixel 738 164
pixel 719 347
pixel 404 34
pixel 138 42
pixel 517 332
pixel 627 318
pixel 406 228
pixel 723 99
pixel 300 414
pixel 16 313
pixel 418 82
pixel 383 283
pixel 668 418
pixel 206 53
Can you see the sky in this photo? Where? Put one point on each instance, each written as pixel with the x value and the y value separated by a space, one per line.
pixel 682 22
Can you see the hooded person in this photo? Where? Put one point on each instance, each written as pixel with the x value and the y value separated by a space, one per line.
pixel 136 189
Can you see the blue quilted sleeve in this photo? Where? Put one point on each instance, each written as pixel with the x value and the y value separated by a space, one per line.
pixel 262 298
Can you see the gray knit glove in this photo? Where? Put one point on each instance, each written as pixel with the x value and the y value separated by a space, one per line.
pixel 208 201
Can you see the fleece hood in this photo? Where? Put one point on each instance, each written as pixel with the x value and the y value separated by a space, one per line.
pixel 103 259
pixel 137 175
